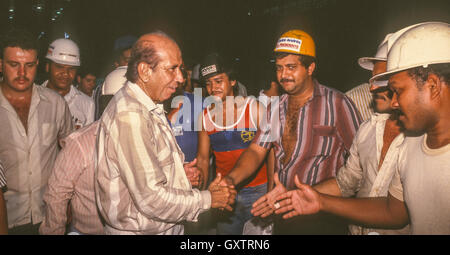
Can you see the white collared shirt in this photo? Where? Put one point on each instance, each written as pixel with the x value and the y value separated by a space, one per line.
pixel 360 174
pixel 81 106
pixel 28 155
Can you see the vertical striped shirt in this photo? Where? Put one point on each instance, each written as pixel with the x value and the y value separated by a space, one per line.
pixel 2 177
pixel 141 186
pixel 72 179
pixel 28 155
pixel 362 98
pixel 326 126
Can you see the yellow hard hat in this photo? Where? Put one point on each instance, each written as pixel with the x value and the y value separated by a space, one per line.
pixel 297 42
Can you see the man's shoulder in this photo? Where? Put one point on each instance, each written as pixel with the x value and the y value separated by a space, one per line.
pixel 49 94
pixel 83 97
pixel 88 130
pixel 332 92
pixel 123 103
pixel 360 89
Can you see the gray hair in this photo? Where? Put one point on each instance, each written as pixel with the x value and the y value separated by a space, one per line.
pixel 144 51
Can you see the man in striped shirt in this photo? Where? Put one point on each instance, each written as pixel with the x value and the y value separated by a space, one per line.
pixel 140 182
pixel 311 129
pixel 72 180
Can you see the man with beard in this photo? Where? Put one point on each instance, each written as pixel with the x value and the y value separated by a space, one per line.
pixel 369 169
pixel 311 129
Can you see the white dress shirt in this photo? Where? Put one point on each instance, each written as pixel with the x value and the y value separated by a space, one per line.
pixel 81 106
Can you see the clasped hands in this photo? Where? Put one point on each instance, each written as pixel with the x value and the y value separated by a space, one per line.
pixel 304 200
pixel 223 193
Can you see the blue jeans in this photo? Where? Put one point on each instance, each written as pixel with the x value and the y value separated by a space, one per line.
pixel 232 223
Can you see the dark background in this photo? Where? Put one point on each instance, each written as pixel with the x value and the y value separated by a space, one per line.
pixel 245 31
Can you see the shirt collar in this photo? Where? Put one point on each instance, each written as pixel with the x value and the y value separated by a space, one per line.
pixel 376 117
pixel 72 92
pixel 144 99
pixel 35 98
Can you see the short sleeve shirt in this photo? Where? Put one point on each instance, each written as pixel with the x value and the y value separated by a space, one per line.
pixel 327 124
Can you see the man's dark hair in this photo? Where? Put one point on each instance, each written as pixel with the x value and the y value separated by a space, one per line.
pixel 143 51
pixel 85 70
pixel 18 37
pixel 420 74
pixel 118 53
pixel 305 60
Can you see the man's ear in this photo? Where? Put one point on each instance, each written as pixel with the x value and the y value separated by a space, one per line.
pixel 47 67
pixel 311 68
pixel 233 83
pixel 434 84
pixel 78 79
pixel 144 71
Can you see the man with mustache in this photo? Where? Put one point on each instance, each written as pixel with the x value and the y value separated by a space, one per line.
pixel 369 169
pixel 64 60
pixel 419 192
pixel 311 129
pixel 34 119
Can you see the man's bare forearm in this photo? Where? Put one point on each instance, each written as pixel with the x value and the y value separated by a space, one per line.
pixel 329 187
pixel 203 166
pixel 248 163
pixel 380 212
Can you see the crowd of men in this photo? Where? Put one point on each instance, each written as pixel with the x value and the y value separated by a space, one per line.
pixel 162 143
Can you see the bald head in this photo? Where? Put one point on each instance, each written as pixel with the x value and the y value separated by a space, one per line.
pixel 150 48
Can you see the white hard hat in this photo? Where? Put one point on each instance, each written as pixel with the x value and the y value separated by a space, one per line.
pixel 381 55
pixel 64 51
pixel 114 81
pixel 421 45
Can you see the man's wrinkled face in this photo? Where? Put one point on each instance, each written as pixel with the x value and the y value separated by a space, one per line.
pixel 61 76
pixel 167 76
pixel 220 86
pixel 19 68
pixel 291 74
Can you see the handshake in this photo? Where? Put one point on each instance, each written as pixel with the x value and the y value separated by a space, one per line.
pixel 223 193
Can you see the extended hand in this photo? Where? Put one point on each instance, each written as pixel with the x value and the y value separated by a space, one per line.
pixel 304 200
pixel 221 196
pixel 193 174
pixel 265 205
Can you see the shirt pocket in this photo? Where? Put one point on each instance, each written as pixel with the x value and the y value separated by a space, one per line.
pixel 48 134
pixel 322 142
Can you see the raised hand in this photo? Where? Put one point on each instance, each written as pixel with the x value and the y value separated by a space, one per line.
pixel 222 197
pixel 304 200
pixel 193 174
pixel 265 205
